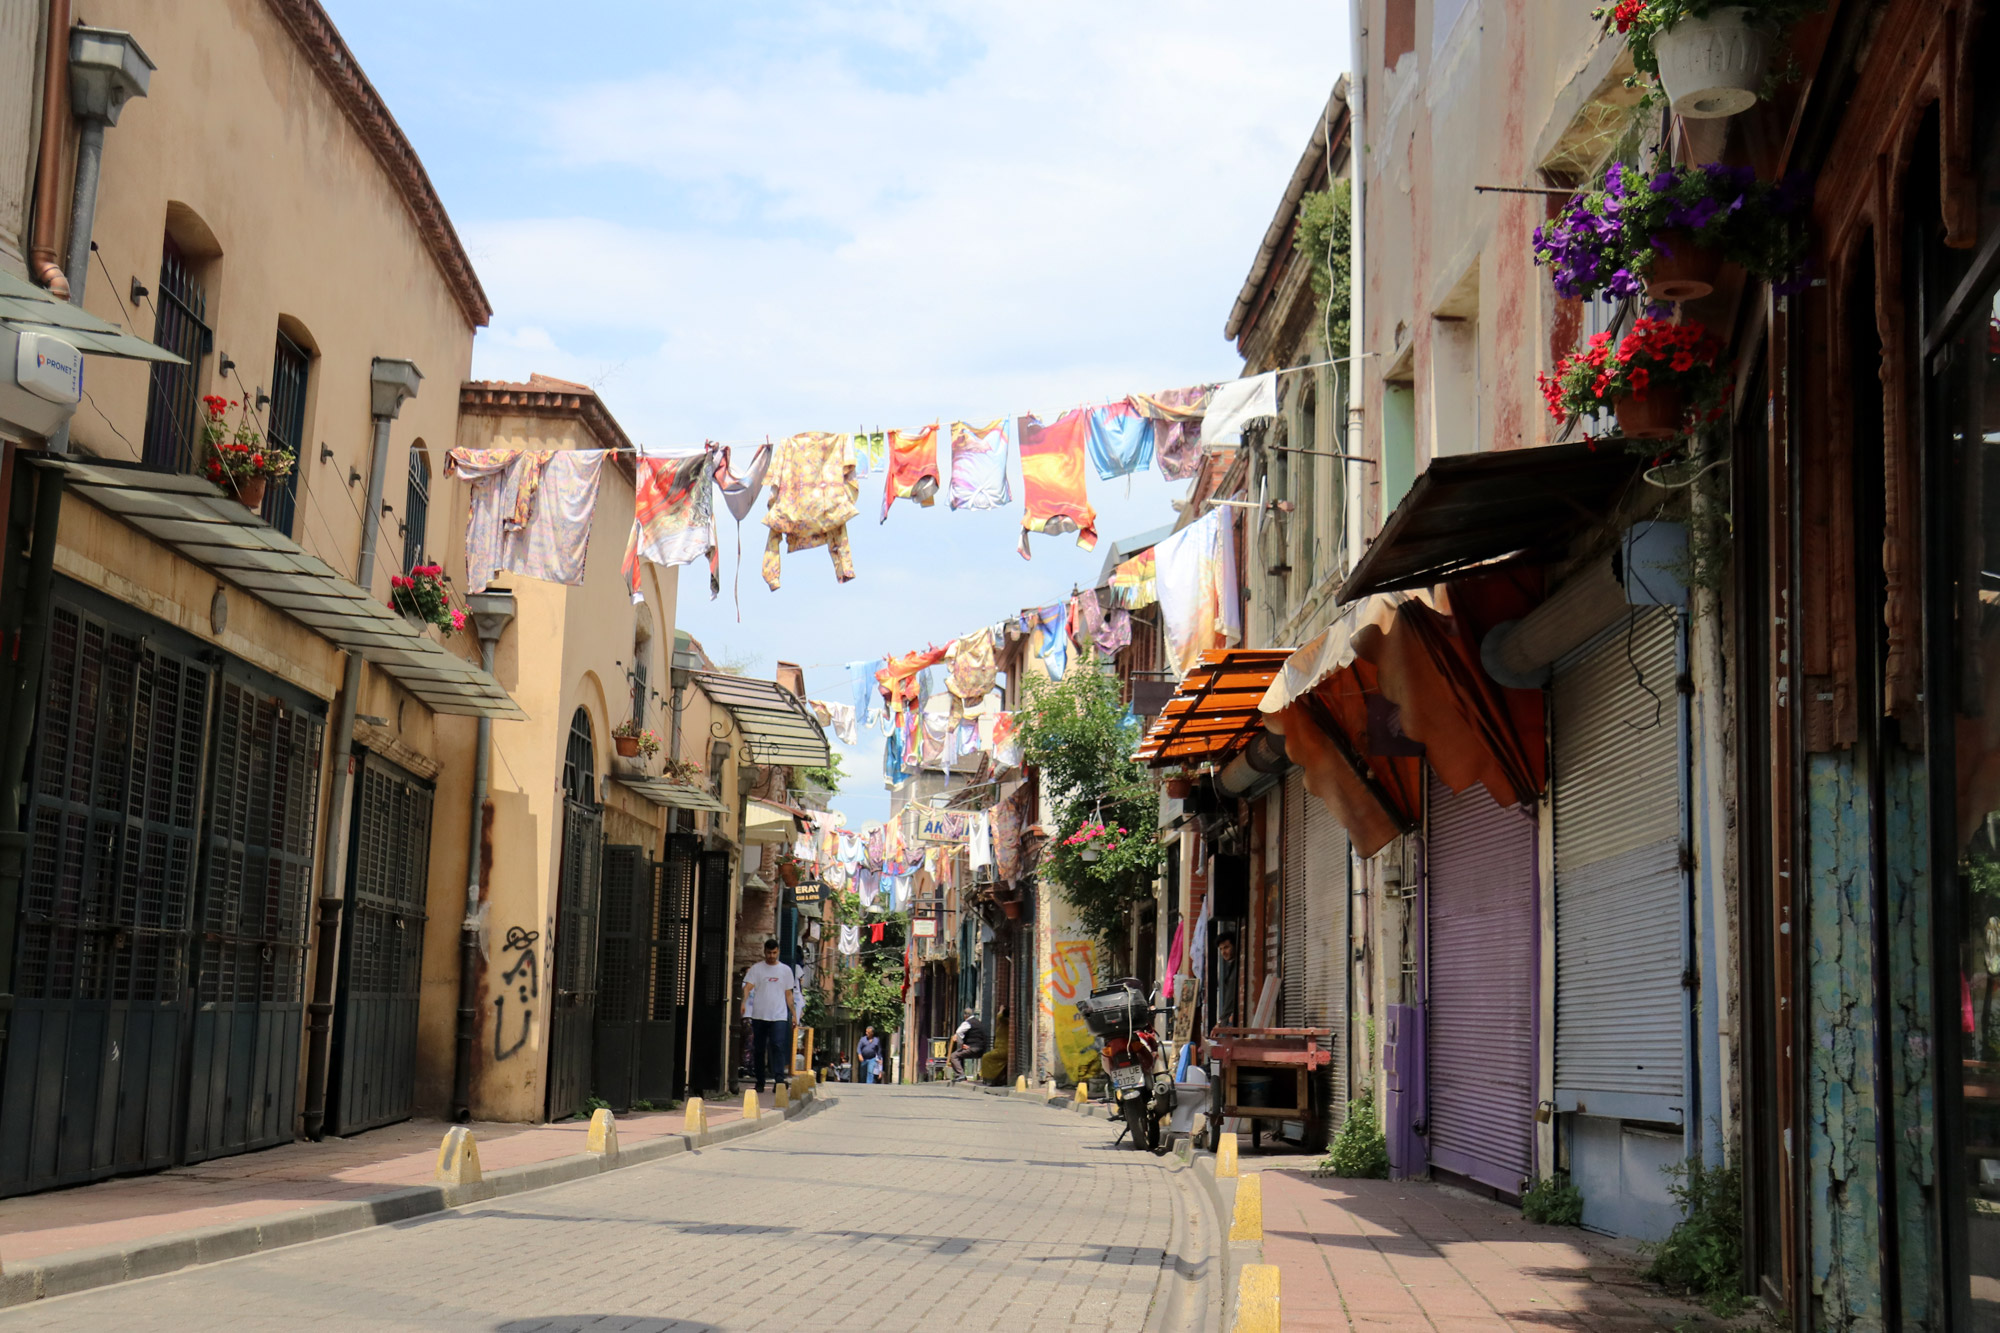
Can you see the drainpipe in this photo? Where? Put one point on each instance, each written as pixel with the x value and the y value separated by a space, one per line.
pixel 389 383
pixel 491 610
pixel 42 265
pixel 106 70
pixel 1357 278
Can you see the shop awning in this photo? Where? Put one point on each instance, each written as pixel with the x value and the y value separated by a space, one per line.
pixel 776 724
pixel 27 308
pixel 767 823
pixel 191 517
pixel 1215 711
pixel 674 795
pixel 1469 509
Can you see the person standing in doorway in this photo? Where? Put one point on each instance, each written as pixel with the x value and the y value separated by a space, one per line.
pixel 1225 983
pixel 868 1053
pixel 771 1003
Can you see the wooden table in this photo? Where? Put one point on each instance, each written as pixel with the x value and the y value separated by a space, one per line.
pixel 1301 1051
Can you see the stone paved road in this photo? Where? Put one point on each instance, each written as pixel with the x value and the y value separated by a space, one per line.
pixel 892 1208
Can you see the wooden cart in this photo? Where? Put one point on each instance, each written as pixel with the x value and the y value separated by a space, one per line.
pixel 1277 1051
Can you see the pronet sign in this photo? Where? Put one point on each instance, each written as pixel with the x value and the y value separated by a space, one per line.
pixel 50 368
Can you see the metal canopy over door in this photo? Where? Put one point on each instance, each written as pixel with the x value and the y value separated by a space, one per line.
pixel 100 1010
pixel 1481 1023
pixel 251 912
pixel 382 950
pixel 1621 911
pixel 573 1002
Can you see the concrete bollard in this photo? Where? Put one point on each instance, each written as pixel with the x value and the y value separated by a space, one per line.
pixel 458 1158
pixel 1225 1157
pixel 1248 1223
pixel 1021 1083
pixel 781 1096
pixel 1256 1299
pixel 1051 1089
pixel 603 1138
pixel 694 1119
pixel 749 1103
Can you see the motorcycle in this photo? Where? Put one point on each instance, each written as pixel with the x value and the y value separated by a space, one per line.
pixel 1120 1018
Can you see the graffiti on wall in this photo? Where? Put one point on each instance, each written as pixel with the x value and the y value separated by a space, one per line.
pixel 1069 977
pixel 524 979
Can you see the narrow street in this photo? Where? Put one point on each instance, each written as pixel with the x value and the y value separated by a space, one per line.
pixel 890 1209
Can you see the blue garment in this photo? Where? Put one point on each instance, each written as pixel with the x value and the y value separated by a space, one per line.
pixel 867 693
pixel 894 771
pixel 1120 441
pixel 1052 623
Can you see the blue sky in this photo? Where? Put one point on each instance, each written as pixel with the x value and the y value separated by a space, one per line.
pixel 742 221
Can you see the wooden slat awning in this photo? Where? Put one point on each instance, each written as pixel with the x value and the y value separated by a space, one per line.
pixel 1215 711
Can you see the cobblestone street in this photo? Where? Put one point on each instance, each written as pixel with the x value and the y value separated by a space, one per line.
pixel 888 1209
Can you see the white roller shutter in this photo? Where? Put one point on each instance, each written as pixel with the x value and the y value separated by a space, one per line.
pixel 1621 1011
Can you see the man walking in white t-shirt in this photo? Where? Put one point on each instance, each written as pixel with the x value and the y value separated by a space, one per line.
pixel 771 1002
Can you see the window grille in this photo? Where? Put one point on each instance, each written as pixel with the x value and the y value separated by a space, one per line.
pixel 180 325
pixel 287 428
pixel 416 509
pixel 580 761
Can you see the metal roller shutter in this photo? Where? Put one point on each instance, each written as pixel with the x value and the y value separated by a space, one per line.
pixel 1326 931
pixel 1621 1010
pixel 1481 1035
pixel 1292 933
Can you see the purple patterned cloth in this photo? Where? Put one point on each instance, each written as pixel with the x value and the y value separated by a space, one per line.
pixel 1177 436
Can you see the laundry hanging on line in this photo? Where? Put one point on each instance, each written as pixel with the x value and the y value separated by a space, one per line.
pixel 673 516
pixel 814 495
pixel 979 466
pixel 1120 441
pixel 530 514
pixel 1052 484
pixel 913 468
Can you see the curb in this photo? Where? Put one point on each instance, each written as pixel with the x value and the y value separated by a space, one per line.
pixel 106 1265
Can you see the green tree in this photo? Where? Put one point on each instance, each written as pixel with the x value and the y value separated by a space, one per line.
pixel 1077 732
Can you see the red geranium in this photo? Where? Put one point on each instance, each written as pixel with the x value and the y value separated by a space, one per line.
pixel 1656 354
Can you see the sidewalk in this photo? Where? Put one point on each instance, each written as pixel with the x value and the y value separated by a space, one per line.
pixel 1379 1256
pixel 278 1181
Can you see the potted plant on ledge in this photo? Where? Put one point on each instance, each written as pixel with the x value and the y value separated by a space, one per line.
pixel 423 596
pixel 240 460
pixel 1660 378
pixel 680 772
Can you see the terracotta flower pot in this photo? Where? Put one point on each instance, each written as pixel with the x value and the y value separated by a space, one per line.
pixel 1656 416
pixel 1179 789
pixel 789 873
pixel 1011 907
pixel 249 491
pixel 1682 270
pixel 628 746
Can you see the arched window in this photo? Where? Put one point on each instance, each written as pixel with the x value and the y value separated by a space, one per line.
pixel 580 763
pixel 417 508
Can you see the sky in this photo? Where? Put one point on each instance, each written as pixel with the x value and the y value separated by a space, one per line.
pixel 738 222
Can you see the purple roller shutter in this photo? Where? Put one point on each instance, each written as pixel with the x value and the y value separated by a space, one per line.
pixel 1481 1034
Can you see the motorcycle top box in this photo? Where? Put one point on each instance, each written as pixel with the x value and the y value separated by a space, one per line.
pixel 1116 1011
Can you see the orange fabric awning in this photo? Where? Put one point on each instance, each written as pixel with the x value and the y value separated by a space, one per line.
pixel 1215 711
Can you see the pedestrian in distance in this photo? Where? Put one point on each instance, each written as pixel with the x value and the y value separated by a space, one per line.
pixel 868 1052
pixel 969 1041
pixel 771 1003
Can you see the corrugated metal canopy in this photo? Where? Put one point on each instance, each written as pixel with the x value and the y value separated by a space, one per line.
pixel 674 795
pixel 27 308
pixel 776 724
pixel 1468 509
pixel 192 517
pixel 1215 712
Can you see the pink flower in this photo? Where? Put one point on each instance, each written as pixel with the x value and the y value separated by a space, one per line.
pixel 457 618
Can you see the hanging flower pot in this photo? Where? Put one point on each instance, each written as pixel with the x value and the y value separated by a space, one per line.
pixel 240 459
pixel 1714 66
pixel 1090 853
pixel 788 871
pixel 249 491
pixel 1180 787
pixel 1683 269
pixel 628 746
pixel 1655 415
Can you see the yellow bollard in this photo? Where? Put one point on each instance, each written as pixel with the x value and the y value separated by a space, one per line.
pixel 694 1119
pixel 1248 1224
pixel 458 1158
pixel 1225 1157
pixel 1051 1092
pixel 781 1096
pixel 1256 1299
pixel 749 1103
pixel 1082 1093
pixel 603 1138
pixel 1021 1083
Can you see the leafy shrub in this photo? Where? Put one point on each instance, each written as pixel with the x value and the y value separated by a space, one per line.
pixel 1359 1151
pixel 1703 1255
pixel 1554 1202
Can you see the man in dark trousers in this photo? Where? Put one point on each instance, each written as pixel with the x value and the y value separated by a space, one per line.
pixel 868 1055
pixel 971 1043
pixel 771 1003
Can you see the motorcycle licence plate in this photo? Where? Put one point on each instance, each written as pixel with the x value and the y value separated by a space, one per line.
pixel 1128 1076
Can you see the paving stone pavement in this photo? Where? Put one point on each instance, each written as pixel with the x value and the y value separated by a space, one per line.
pixel 890 1209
